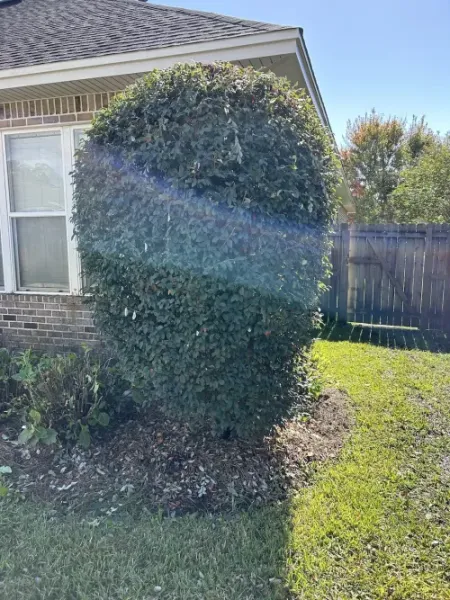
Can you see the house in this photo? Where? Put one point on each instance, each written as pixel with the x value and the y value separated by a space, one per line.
pixel 60 62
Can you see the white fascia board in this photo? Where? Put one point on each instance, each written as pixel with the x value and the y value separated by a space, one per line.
pixel 311 86
pixel 238 48
pixel 314 92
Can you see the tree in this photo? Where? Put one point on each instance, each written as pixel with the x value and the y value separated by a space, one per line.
pixel 203 197
pixel 423 196
pixel 376 151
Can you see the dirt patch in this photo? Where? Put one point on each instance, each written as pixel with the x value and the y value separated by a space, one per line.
pixel 159 463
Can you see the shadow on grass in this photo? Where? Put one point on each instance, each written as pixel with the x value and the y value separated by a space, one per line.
pixel 190 557
pixel 397 338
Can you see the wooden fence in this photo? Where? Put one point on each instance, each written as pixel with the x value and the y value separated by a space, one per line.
pixel 391 274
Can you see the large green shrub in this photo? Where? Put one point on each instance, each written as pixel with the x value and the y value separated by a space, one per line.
pixel 202 201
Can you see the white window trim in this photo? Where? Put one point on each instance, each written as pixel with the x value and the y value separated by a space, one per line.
pixel 6 216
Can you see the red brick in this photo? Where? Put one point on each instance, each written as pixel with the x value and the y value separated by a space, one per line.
pixel 22 304
pixel 18 122
pixel 85 116
pixel 50 323
pixel 85 336
pixel 31 319
pixel 34 121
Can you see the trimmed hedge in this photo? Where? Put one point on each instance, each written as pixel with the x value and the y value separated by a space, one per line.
pixel 202 202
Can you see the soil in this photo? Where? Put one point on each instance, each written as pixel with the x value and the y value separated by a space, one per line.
pixel 156 463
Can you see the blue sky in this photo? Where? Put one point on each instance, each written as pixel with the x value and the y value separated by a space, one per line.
pixel 392 55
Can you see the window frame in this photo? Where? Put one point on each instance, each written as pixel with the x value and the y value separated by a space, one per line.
pixel 7 216
pixel 73 132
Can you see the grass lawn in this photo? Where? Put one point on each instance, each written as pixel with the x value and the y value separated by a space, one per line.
pixel 375 524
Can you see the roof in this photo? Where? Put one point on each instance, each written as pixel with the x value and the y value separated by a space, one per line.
pixel 35 32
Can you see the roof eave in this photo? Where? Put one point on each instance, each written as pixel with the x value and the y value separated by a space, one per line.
pixel 235 48
pixel 286 41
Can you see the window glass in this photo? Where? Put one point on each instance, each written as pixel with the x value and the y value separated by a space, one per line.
pixel 41 253
pixel 78 137
pixel 35 172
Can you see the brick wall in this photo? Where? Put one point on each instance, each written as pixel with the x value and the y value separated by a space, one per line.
pixel 66 110
pixel 50 323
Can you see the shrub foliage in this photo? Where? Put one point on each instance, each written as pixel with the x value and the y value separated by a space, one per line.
pixel 202 201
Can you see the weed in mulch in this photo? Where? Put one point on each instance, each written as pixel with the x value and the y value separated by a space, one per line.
pixel 155 463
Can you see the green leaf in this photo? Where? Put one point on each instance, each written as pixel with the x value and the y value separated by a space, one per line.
pixel 84 439
pixel 35 416
pixel 49 437
pixel 3 491
pixel 26 435
pixel 103 419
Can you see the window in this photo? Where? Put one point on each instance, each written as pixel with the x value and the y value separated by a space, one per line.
pixel 37 249
pixel 37 210
pixel 35 172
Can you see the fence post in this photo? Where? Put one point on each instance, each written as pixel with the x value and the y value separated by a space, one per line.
pixel 343 273
pixel 427 273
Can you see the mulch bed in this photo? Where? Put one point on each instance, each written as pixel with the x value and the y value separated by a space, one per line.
pixel 156 463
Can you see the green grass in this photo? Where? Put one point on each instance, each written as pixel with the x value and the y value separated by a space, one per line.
pixel 189 558
pixel 375 525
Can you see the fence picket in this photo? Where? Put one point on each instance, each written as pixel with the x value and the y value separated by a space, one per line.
pixel 390 274
pixel 343 273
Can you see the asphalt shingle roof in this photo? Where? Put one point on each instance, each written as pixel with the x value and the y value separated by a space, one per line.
pixel 34 32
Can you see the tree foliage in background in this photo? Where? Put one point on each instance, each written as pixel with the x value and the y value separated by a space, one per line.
pixel 423 196
pixel 377 149
pixel 202 202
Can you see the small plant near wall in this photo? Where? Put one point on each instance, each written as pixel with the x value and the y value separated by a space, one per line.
pixel 9 387
pixel 62 398
pixel 203 198
pixel 5 470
